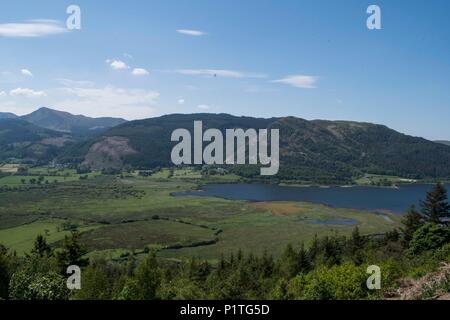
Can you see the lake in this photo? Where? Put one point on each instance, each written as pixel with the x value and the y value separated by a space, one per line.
pixel 357 197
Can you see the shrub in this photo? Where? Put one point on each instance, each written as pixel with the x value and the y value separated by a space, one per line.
pixel 48 286
pixel 340 282
pixel 429 237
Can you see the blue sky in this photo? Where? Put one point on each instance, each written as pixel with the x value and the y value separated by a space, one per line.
pixel 311 59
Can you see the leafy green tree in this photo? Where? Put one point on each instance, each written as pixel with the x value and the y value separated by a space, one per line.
pixel 47 286
pixel 130 290
pixel 181 288
pixel 95 285
pixel 38 279
pixel 296 287
pixel 280 291
pixel 435 205
pixel 147 278
pixel 340 282
pixel 7 266
pixel 412 221
pixel 429 237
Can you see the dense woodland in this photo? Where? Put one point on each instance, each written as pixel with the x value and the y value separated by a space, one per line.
pixel 332 267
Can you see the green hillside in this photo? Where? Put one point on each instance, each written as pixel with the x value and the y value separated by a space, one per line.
pixel 22 140
pixel 311 151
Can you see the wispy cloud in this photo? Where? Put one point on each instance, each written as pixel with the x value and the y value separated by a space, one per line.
pixel 109 100
pixel 299 81
pixel 219 73
pixel 192 33
pixel 76 83
pixel 117 64
pixel 26 92
pixel 26 72
pixel 32 29
pixel 2 93
pixel 139 72
pixel 204 107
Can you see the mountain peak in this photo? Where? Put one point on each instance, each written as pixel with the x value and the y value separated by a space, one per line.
pixel 66 122
pixel 46 109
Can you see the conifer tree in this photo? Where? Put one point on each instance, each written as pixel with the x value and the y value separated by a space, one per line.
pixel 288 263
pixel 72 253
pixel 412 221
pixel 41 248
pixel 435 205
pixel 304 264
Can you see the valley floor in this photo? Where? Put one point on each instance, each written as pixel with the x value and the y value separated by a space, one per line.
pixel 128 213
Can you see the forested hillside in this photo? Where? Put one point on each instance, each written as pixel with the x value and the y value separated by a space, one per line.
pixel 310 151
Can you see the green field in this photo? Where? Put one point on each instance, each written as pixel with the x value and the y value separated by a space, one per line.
pixel 21 238
pixel 129 212
pixel 39 176
pixel 375 179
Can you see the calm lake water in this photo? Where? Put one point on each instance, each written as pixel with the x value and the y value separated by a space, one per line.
pixel 368 198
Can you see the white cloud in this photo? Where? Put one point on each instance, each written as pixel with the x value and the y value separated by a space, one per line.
pixel 140 72
pixel 192 33
pixel 109 101
pixel 219 73
pixel 26 72
pixel 2 93
pixel 203 107
pixel 33 28
pixel 299 81
pixel 181 101
pixel 75 83
pixel 25 92
pixel 117 64
pixel 128 56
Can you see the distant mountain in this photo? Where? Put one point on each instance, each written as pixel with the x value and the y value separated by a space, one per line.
pixel 7 115
pixel 26 141
pixel 69 123
pixel 311 151
pixel 443 142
